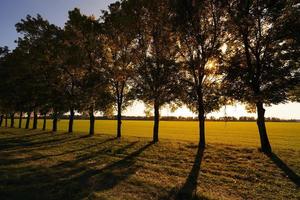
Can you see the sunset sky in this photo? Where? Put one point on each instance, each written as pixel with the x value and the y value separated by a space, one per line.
pixel 56 11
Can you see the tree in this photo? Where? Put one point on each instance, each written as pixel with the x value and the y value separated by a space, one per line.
pixel 263 63
pixel 199 28
pixel 72 59
pixel 157 73
pixel 120 34
pixel 88 41
pixel 12 92
pixel 38 41
pixel 4 51
pixel 1 119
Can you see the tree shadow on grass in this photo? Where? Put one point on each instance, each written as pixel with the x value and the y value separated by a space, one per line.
pixel 45 142
pixel 75 179
pixel 109 176
pixel 189 189
pixel 285 168
pixel 10 161
pixel 86 156
pixel 18 136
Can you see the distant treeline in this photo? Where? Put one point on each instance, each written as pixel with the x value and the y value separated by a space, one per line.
pixel 180 118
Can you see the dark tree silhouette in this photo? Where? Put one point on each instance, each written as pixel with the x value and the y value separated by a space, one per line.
pixel 199 27
pixel 263 52
pixel 120 33
pixel 157 72
pixel 88 41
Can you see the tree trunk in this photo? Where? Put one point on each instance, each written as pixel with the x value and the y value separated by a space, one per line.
pixel 20 119
pixel 92 123
pixel 28 120
pixel 1 120
pixel 45 122
pixel 156 122
pixel 264 140
pixel 201 119
pixel 12 120
pixel 6 123
pixel 54 125
pixel 71 120
pixel 119 119
pixel 35 120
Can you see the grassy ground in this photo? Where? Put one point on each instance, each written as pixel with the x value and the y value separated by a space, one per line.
pixel 43 165
pixel 282 135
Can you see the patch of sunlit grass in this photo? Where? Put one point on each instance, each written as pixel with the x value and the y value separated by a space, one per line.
pixel 281 134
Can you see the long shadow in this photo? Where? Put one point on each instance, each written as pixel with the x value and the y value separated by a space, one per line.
pixel 80 149
pixel 5 162
pixel 189 189
pixel 285 168
pixel 90 155
pixel 106 177
pixel 8 145
pixel 56 182
pixel 56 139
pixel 17 142
pixel 23 137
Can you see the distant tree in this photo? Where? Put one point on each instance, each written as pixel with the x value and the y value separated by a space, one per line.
pixel 72 61
pixel 21 82
pixel 20 119
pixel 44 111
pixel 245 118
pixel 10 91
pixel 6 120
pixel 88 39
pixel 263 52
pixel 120 32
pixel 157 72
pixel 1 119
pixel 39 41
pixel 27 120
pixel 199 28
pixel 4 51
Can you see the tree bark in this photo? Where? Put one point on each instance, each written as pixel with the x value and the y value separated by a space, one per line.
pixel 6 123
pixel 27 120
pixel 1 120
pixel 12 120
pixel 54 125
pixel 156 122
pixel 35 120
pixel 264 140
pixel 20 119
pixel 201 119
pixel 71 120
pixel 45 122
pixel 119 120
pixel 92 123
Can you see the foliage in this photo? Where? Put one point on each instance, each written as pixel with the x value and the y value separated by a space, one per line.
pixel 263 51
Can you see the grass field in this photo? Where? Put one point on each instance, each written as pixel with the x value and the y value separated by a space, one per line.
pixel 281 134
pixel 42 165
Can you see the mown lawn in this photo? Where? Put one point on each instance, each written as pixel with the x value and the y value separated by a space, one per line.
pixel 282 135
pixel 45 165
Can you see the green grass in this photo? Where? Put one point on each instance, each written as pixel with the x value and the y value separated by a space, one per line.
pixel 281 134
pixel 45 165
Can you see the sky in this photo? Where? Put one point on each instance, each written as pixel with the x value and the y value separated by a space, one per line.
pixel 56 12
